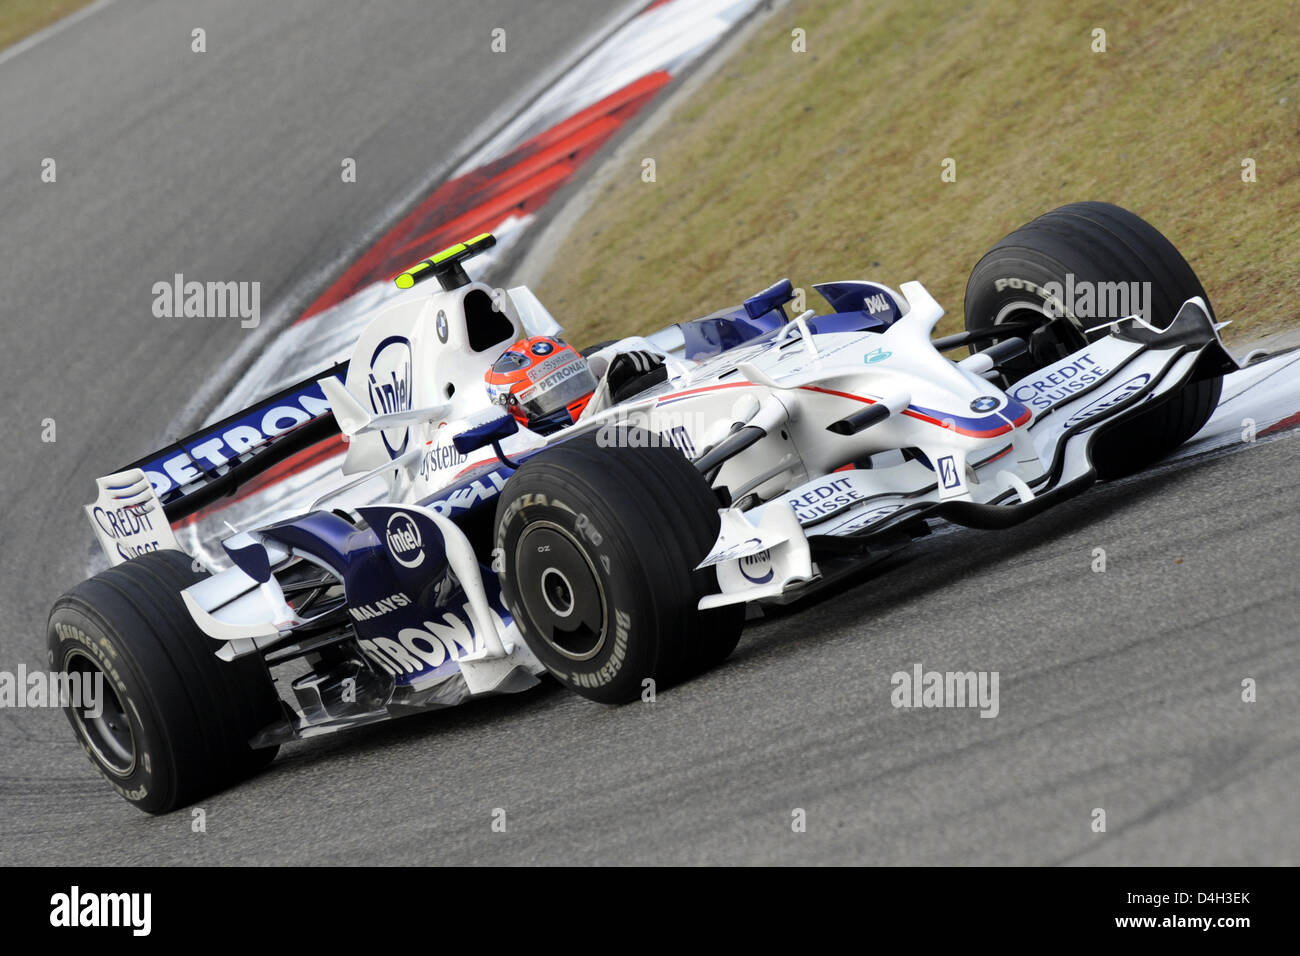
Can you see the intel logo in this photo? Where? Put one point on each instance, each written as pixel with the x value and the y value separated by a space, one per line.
pixel 757 568
pixel 1116 396
pixel 388 385
pixel 404 541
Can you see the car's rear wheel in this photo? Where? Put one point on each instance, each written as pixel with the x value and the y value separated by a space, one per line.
pixel 175 721
pixel 599 545
pixel 1083 246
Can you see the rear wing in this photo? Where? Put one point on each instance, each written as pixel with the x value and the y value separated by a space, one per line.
pixel 192 473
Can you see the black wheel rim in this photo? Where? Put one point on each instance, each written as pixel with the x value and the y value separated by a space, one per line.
pixel 109 736
pixel 562 594
pixel 1028 310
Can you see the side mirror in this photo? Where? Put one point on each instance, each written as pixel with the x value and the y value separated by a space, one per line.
pixel 489 428
pixel 773 297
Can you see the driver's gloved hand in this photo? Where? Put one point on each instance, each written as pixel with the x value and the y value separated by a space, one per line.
pixel 633 372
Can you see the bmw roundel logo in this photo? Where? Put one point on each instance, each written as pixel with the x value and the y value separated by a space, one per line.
pixel 985 403
pixel 543 348
pixel 441 326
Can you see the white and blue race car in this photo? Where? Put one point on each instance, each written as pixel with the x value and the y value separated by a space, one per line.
pixel 766 453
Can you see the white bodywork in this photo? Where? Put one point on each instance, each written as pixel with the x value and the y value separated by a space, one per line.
pixel 415 380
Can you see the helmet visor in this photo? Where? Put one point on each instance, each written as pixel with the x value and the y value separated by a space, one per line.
pixel 558 389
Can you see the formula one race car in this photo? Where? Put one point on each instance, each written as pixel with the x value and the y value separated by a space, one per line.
pixel 755 457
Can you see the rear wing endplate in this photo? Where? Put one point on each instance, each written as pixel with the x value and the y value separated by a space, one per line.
pixel 137 504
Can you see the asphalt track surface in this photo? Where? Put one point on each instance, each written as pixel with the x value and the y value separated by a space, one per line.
pixel 1119 690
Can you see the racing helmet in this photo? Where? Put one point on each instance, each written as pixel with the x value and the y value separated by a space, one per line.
pixel 543 382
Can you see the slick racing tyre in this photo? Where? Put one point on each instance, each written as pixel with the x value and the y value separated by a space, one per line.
pixel 598 548
pixel 1081 246
pixel 176 720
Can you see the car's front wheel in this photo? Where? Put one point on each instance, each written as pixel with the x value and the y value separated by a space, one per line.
pixel 598 544
pixel 1119 263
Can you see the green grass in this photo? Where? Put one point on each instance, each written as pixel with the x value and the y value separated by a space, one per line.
pixel 20 18
pixel 826 165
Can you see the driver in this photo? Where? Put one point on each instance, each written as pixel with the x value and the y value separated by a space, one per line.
pixel 546 384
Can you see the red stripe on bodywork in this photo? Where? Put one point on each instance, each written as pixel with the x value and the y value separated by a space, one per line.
pixel 707 388
pixel 831 391
pixel 969 433
pixel 1002 454
pixel 921 416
